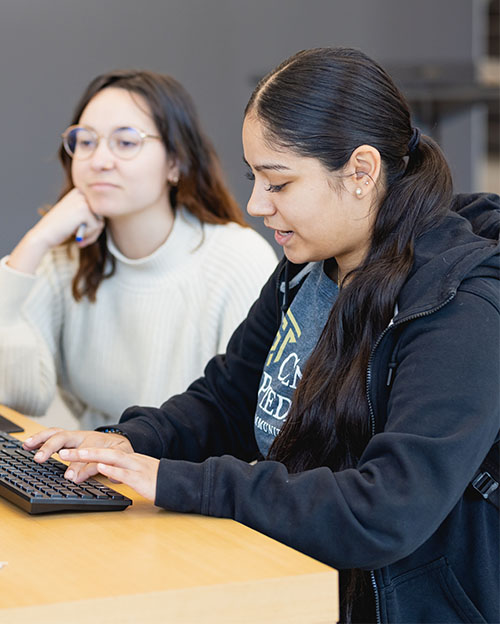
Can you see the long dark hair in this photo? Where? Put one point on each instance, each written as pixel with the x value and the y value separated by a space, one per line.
pixel 201 187
pixel 324 103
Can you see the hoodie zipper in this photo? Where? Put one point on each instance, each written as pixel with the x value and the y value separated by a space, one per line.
pixel 391 325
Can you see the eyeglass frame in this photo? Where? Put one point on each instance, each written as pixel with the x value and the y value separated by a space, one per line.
pixel 143 136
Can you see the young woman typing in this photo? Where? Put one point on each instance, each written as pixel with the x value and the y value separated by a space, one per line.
pixel 365 377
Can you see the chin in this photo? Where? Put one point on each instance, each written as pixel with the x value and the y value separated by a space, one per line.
pixel 296 258
pixel 303 258
pixel 105 209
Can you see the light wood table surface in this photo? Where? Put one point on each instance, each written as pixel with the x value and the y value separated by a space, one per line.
pixel 146 565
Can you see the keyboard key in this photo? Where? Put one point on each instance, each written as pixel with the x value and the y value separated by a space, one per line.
pixel 97 493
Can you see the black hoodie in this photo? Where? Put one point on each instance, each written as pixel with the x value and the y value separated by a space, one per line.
pixel 405 512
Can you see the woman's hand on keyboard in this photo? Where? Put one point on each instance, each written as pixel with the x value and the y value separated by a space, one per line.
pixel 139 472
pixel 51 441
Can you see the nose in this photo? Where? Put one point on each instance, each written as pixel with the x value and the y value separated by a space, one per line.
pixel 102 157
pixel 260 204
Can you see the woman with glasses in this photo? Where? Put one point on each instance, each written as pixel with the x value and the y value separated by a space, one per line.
pixel 365 378
pixel 142 269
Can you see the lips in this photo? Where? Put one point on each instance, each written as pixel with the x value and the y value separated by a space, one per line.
pixel 102 185
pixel 282 237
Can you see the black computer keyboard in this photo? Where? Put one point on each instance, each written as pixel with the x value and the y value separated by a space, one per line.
pixel 40 488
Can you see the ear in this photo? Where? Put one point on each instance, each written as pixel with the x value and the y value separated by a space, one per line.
pixel 365 164
pixel 174 172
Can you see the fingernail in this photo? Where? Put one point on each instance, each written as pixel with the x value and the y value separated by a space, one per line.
pixel 63 453
pixel 39 455
pixel 28 440
pixel 69 475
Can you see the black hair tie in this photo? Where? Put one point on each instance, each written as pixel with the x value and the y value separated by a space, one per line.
pixel 414 141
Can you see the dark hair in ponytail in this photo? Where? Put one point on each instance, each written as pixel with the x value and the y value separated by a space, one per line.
pixel 324 103
pixel 201 187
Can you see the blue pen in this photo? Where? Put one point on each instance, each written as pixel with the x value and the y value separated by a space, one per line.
pixel 80 232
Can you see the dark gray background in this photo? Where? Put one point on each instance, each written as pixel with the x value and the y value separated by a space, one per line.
pixel 51 49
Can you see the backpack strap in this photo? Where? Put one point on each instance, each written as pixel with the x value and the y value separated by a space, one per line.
pixel 486 480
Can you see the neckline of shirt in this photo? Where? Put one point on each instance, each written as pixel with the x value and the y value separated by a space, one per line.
pixel 178 250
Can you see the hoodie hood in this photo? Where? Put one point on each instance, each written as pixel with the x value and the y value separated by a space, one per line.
pixel 482 210
pixel 464 245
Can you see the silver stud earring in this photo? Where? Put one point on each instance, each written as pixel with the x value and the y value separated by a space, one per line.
pixel 358 192
pixel 367 182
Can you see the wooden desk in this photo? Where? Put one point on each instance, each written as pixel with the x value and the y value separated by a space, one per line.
pixel 148 565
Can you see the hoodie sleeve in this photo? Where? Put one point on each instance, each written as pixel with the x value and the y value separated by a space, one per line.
pixel 442 417
pixel 216 414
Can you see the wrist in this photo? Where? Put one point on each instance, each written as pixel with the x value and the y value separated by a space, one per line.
pixel 116 431
pixel 40 237
pixel 112 430
pixel 28 253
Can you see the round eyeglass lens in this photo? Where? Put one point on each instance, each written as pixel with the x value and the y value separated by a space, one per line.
pixel 80 142
pixel 125 142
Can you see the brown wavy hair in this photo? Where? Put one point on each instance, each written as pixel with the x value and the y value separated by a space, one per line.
pixel 201 187
pixel 324 103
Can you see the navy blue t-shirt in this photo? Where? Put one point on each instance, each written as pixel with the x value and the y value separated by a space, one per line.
pixel 296 338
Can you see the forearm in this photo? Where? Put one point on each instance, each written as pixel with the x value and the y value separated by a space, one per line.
pixel 215 416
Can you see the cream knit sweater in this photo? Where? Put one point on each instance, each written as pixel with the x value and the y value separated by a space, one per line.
pixel 154 325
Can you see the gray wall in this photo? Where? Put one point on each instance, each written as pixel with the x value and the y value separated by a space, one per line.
pixel 50 50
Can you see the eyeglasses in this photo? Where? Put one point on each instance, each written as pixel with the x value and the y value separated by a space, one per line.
pixel 81 142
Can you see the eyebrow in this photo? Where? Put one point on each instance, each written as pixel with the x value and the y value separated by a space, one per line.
pixel 268 166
